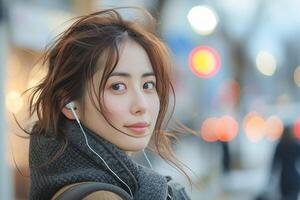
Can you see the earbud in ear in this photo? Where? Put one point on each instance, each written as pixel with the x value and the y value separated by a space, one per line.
pixel 71 105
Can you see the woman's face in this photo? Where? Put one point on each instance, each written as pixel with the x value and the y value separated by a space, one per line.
pixel 130 98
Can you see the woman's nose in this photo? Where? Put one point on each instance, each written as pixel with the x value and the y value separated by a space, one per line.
pixel 139 103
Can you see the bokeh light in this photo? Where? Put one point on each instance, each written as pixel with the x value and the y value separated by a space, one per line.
pixel 223 129
pixel 297 128
pixel 208 129
pixel 266 63
pixel 273 128
pixel 204 61
pixel 254 125
pixel 226 128
pixel 203 19
pixel 297 76
pixel 14 101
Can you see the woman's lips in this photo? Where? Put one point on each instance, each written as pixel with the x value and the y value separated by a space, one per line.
pixel 138 127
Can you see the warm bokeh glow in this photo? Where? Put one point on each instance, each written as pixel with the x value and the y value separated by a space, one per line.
pixel 254 125
pixel 226 128
pixel 266 63
pixel 204 61
pixel 273 128
pixel 203 19
pixel 297 76
pixel 208 127
pixel 297 128
pixel 222 129
pixel 14 101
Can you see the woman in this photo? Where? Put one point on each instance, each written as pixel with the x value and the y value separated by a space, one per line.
pixel 106 94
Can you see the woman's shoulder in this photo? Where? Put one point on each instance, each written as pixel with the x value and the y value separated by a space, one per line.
pixel 85 187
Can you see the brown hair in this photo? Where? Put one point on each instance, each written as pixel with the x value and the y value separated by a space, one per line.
pixel 72 62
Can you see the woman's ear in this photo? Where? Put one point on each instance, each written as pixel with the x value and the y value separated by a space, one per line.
pixel 68 113
pixel 67 110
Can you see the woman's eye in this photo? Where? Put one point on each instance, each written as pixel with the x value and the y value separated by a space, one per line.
pixel 149 85
pixel 118 86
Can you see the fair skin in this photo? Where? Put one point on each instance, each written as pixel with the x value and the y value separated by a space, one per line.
pixel 130 98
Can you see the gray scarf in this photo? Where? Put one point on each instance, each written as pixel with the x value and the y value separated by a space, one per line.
pixel 79 164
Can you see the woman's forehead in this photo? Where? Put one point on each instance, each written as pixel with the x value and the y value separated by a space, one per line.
pixel 133 60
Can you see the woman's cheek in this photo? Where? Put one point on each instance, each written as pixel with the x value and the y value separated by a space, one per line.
pixel 155 107
pixel 113 105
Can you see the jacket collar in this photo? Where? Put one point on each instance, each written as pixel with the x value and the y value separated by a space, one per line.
pixel 144 182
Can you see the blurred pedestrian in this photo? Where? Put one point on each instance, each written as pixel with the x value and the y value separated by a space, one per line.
pixel 285 162
pixel 285 167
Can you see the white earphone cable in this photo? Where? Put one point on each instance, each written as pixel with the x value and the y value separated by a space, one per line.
pixel 86 140
pixel 147 159
pixel 71 107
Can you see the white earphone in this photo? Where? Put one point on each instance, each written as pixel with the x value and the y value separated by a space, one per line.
pixel 71 105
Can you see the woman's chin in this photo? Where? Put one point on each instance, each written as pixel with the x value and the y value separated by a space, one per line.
pixel 135 144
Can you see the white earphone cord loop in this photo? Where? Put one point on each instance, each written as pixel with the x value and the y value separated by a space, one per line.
pixel 86 140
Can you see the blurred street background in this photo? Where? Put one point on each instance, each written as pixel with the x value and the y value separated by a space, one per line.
pixel 237 81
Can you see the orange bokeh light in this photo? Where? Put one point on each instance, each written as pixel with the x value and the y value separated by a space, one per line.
pixel 273 128
pixel 208 127
pixel 204 61
pixel 226 128
pixel 297 128
pixel 223 129
pixel 254 125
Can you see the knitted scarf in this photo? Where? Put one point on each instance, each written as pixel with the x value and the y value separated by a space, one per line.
pixel 79 164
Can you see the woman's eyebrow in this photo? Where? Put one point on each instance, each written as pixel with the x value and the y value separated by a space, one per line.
pixel 124 74
pixel 148 74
